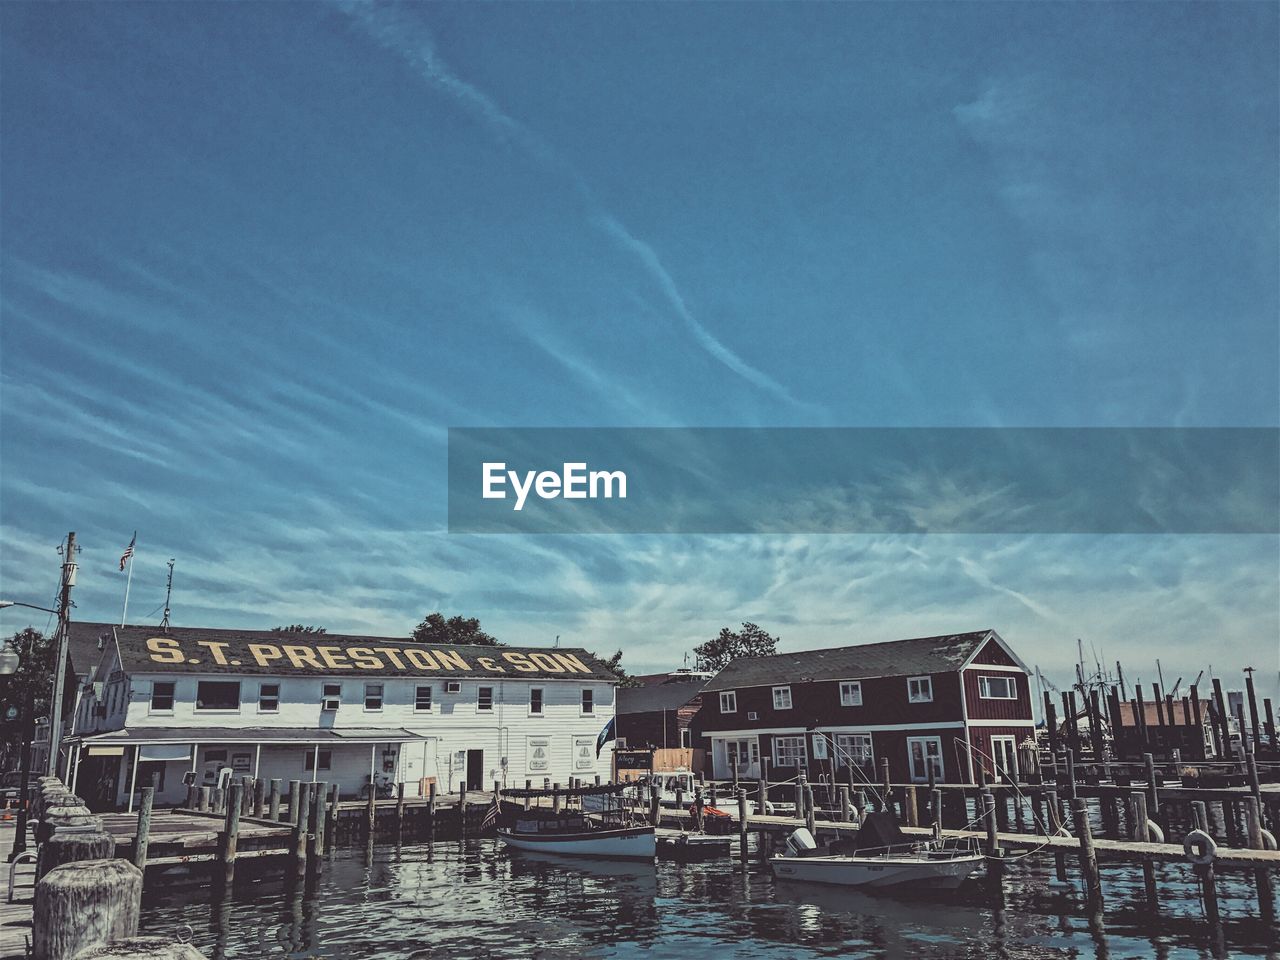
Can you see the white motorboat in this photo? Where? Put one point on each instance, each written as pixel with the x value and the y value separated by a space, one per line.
pixel 582 839
pixel 879 857
pixel 593 823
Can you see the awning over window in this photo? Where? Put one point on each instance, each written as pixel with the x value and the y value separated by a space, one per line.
pixel 105 751
pixel 165 751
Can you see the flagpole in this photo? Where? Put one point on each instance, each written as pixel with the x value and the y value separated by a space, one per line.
pixel 127 584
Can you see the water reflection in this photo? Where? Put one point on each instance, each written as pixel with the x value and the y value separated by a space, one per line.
pixel 473 899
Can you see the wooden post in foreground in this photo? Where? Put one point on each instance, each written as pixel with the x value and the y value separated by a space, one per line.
pixel 84 904
pixel 1141 832
pixel 298 801
pixel 144 828
pixel 1261 876
pixel 231 832
pixel 259 796
pixel 1208 887
pixel 295 788
pixel 742 825
pixel 273 805
pixel 1088 856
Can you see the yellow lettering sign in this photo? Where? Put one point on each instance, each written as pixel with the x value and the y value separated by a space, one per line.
pixel 164 650
pixel 392 654
pixel 421 659
pixel 363 658
pixel 334 657
pixel 264 653
pixel 571 663
pixel 301 656
pixel 215 647
pixel 488 663
pixel 450 659
pixel 519 661
pixel 547 662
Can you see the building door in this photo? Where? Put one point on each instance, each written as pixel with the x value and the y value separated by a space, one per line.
pixel 747 755
pixel 1004 752
pixel 475 769
pixel 923 752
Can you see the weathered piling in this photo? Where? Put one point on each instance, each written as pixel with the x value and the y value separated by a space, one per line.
pixel 988 801
pixel 295 795
pixel 141 948
pixel 259 796
pixel 1140 831
pixel 1261 877
pixel 400 807
pixel 144 828
pixel 206 799
pixel 231 833
pixel 742 825
pixel 331 826
pixel 83 904
pixel 273 806
pixel 319 816
pixel 1208 886
pixel 193 796
pixel 909 805
pixel 845 812
pixel 299 799
pixel 1053 807
pixel 431 810
pixel 373 806
pixel 655 808
pixel 810 815
pixel 1088 856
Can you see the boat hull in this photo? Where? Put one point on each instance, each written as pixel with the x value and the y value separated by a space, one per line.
pixel 636 843
pixel 878 872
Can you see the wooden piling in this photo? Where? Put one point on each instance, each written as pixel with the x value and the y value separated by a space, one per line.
pixel 988 801
pixel 206 799
pixel 1208 886
pixel 845 813
pixel 273 807
pixel 231 832
pixel 742 825
pixel 810 815
pixel 84 904
pixel 431 811
pixel 299 799
pixel 193 796
pixel 909 803
pixel 1140 831
pixel 372 812
pixel 697 808
pixel 331 828
pixel 317 815
pixel 1261 876
pixel 1088 856
pixel 886 800
pixel 1153 788
pixel 1053 807
pixel 400 806
pixel 259 796
pixel 655 808
pixel 762 793
pixel 144 828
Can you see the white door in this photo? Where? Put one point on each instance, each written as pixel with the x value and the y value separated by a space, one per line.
pixel 747 754
pixel 1004 751
pixel 923 752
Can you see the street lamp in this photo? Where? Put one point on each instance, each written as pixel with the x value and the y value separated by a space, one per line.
pixel 10 659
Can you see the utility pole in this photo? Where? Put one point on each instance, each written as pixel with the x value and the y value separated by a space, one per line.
pixel 64 633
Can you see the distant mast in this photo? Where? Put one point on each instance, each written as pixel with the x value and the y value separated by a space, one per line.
pixel 168 593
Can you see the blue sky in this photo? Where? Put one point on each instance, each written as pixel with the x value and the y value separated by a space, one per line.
pixel 256 259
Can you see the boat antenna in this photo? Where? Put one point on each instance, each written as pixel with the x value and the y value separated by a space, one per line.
pixel 168 593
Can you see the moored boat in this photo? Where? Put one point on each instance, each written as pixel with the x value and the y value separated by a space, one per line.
pixel 879 857
pixel 597 827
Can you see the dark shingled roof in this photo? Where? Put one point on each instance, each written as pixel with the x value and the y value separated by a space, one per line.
pixel 660 696
pixel 82 645
pixel 896 658
pixel 261 653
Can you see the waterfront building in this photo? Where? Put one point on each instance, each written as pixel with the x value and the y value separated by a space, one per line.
pixel 947 702
pixel 202 705
pixel 657 713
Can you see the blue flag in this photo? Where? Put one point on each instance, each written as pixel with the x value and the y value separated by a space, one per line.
pixel 605 736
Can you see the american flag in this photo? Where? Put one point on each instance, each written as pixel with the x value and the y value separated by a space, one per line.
pixel 128 551
pixel 491 815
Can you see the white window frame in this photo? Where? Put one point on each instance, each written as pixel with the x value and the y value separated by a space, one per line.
pixel 173 698
pixel 850 693
pixel 784 691
pixel 587 702
pixel 686 738
pixel 985 681
pixel 923 777
pixel 856 748
pixel 380 696
pixel 326 695
pixel 792 741
pixel 912 698
pixel 222 710
pixel 262 696
pixel 542 701
pixel 728 701
pixel 480 696
pixel 417 698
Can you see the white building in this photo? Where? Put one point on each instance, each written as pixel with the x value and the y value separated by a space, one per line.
pixel 201 705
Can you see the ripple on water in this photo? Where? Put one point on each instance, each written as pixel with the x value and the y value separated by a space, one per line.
pixel 477 900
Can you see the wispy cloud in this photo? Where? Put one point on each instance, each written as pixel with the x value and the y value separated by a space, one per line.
pixel 393 29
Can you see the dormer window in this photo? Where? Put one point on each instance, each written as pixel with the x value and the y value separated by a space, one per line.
pixel 920 689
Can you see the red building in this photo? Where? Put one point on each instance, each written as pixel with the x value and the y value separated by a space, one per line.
pixel 953 701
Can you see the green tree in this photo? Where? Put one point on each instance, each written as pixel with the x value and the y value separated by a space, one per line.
pixel 300 628
pixel 434 628
pixel 750 641
pixel 614 663
pixel 30 688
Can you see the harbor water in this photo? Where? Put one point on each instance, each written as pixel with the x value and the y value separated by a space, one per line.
pixel 475 899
